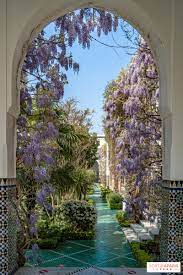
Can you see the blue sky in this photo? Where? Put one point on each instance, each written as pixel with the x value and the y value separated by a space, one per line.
pixel 98 66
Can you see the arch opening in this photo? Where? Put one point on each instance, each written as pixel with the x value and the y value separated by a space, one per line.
pixel 127 10
pixel 44 86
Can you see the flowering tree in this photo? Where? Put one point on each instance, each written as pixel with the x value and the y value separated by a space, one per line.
pixel 48 59
pixel 74 154
pixel 44 75
pixel 133 124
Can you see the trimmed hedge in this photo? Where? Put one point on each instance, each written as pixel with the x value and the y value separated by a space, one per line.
pixel 47 243
pixel 90 202
pixel 121 216
pixel 123 219
pixel 104 191
pixel 114 200
pixel 50 232
pixel 74 220
pixel 140 255
pixel 71 234
pixel 151 246
pixel 68 233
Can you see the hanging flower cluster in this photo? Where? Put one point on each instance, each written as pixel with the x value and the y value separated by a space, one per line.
pixel 44 75
pixel 42 196
pixel 133 125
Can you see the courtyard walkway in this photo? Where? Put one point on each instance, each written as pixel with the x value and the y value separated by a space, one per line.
pixel 109 249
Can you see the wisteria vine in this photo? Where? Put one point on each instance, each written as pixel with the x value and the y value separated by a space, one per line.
pixel 133 127
pixel 44 75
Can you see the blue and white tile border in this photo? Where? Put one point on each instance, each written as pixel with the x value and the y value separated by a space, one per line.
pixel 171 247
pixel 8 251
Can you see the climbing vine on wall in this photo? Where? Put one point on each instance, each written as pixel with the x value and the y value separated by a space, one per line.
pixel 133 124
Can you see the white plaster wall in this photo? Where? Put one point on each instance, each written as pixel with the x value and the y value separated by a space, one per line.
pixel 160 21
pixel 3 88
pixel 26 17
pixel 176 75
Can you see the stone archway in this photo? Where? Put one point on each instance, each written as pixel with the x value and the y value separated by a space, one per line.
pixel 22 20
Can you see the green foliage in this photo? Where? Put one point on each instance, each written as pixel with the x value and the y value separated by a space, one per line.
pixel 114 200
pixel 90 202
pixel 151 246
pixel 72 180
pixel 76 151
pixel 125 223
pixel 73 220
pixel 49 232
pixel 123 219
pixel 62 178
pixel 91 150
pixel 51 229
pixel 83 179
pixel 47 243
pixel 91 189
pixel 121 215
pixel 140 255
pixel 104 191
pixel 76 144
pixel 67 140
pixel 70 233
pixel 79 214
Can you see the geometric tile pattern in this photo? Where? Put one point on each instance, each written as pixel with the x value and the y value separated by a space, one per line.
pixel 88 271
pixel 172 222
pixel 109 249
pixel 8 256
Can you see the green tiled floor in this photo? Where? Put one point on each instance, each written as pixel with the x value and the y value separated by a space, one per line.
pixel 108 249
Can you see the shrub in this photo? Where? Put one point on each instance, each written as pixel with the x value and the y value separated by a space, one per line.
pixel 50 232
pixel 71 234
pixel 51 227
pixel 91 188
pixel 79 214
pixel 114 200
pixel 90 202
pixel 143 257
pixel 125 223
pixel 150 246
pixel 67 233
pixel 104 191
pixel 123 219
pixel 47 243
pixel 140 255
pixel 91 191
pixel 121 216
pixel 73 220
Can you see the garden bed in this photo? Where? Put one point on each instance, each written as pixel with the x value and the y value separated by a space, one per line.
pixel 104 191
pixel 146 251
pixel 114 200
pixel 74 220
pixel 123 219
